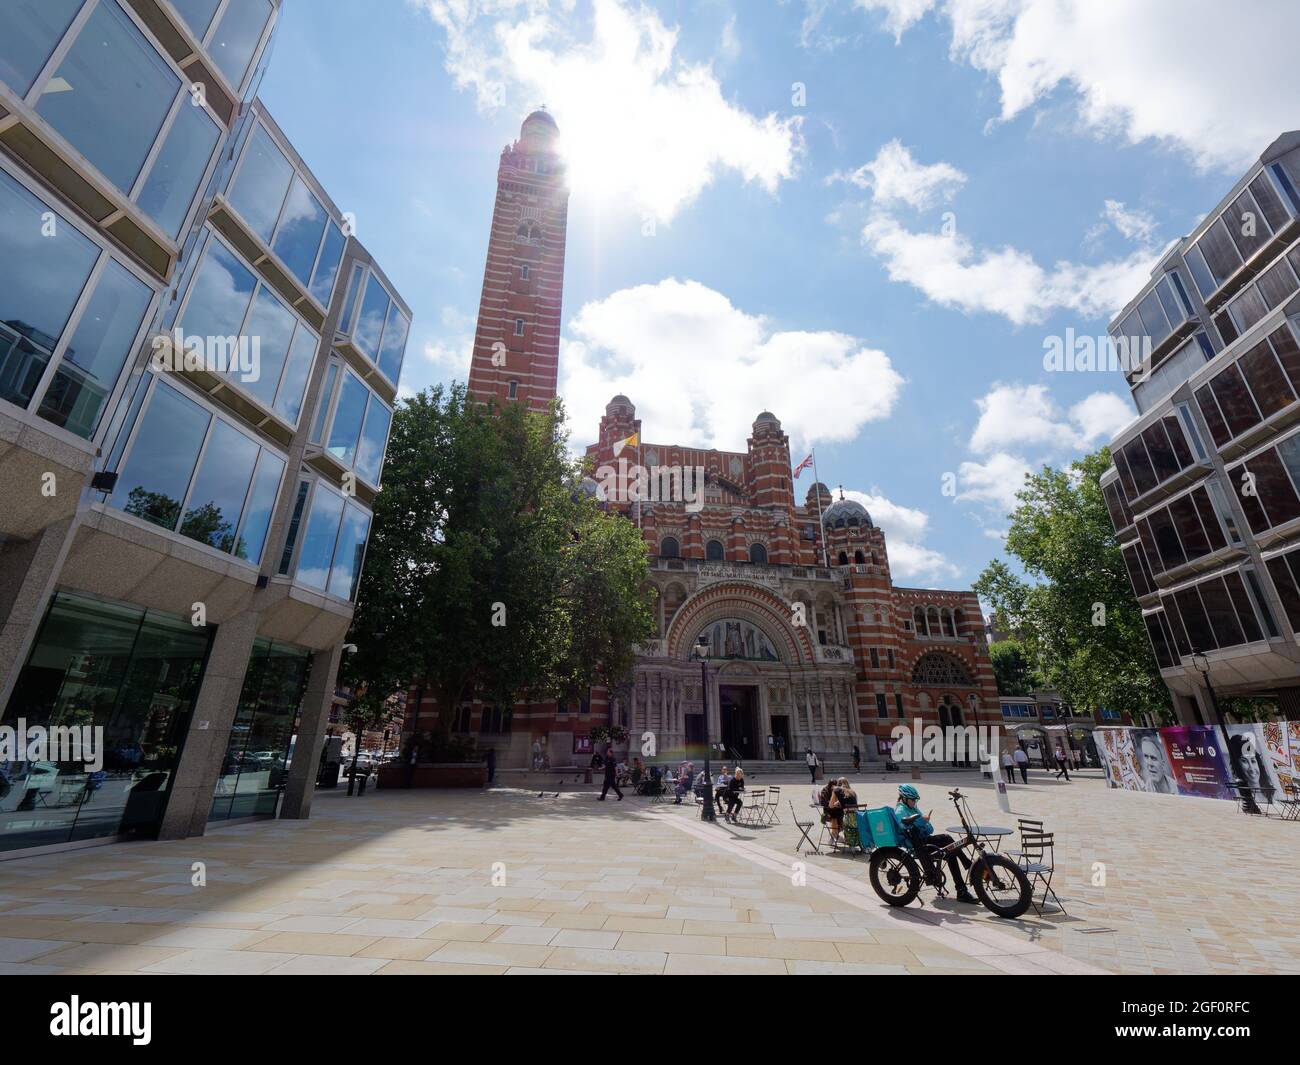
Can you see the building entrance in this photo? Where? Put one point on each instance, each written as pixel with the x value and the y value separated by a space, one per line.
pixel 740 719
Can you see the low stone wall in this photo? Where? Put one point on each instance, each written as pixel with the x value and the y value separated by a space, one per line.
pixel 433 775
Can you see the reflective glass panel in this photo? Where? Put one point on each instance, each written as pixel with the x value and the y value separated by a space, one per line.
pixel 370 323
pixel 317 552
pixel 270 327
pixel 370 453
pixel 217 499
pixel 288 400
pixel 237 35
pixel 182 161
pixel 263 181
pixel 348 414
pixel 301 226
pixel 152 486
pixel 327 269
pixel 219 294
pixel 197 14
pixel 394 346
pixel 29 30
pixel 347 556
pixel 98 350
pixel 110 95
pixel 261 502
pixel 44 265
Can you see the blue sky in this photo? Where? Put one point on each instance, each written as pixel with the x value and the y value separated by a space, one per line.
pixel 867 216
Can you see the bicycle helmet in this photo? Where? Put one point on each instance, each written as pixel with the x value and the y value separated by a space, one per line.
pixel 906 791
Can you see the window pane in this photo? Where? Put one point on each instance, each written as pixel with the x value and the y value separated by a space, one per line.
pixel 318 544
pixel 262 184
pixel 289 399
pixel 237 36
pixel 270 327
pixel 1287 590
pixel 1200 272
pixel 291 539
pixel 110 95
pixel 347 556
pixel 1276 283
pixel 212 514
pixel 261 502
pixel 1218 608
pixel 349 301
pixel 370 323
pixel 1178 441
pixel 29 30
pixel 323 404
pixel 1199 630
pixel 1169 301
pixel 1263 374
pixel 1287 352
pixel 1219 251
pixel 197 14
pixel 1213 418
pixel 1144 476
pixel 219 294
pixel 1235 401
pixel 174 179
pixel 1247 309
pixel 1164 655
pixel 1274 487
pixel 301 227
pixel 348 414
pixel 370 455
pixel 1270 206
pixel 1135 572
pixel 1174 621
pixel 166 447
pixel 1166 538
pixel 327 269
pixel 1246 225
pixel 1153 318
pixel 97 351
pixel 390 357
pixel 41 278
pixel 1245 612
pixel 1162 455
pixel 1188 524
pixel 1209 518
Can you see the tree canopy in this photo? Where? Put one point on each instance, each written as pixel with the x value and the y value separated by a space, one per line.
pixel 1076 617
pixel 490 573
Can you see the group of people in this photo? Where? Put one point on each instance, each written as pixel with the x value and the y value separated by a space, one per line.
pixel 1019 760
pixel 838 800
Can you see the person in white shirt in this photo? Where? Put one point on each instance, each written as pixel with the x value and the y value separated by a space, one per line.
pixel 810 760
pixel 720 786
pixel 1009 767
pixel 1022 763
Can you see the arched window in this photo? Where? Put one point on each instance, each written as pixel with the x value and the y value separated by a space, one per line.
pixel 859 557
pixel 758 554
pixel 918 616
pixel 844 558
pixel 669 547
pixel 948 628
pixel 714 551
pixel 529 232
pixel 959 619
pixel 935 669
pixel 932 621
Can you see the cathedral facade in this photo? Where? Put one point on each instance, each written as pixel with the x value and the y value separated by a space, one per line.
pixel 779 626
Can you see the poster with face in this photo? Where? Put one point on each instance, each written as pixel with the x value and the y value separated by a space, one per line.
pixel 1198 759
pixel 1276 742
pixel 1153 763
pixel 1250 762
pixel 1118 757
pixel 1293 744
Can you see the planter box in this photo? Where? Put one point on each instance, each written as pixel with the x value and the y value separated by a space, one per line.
pixel 434 775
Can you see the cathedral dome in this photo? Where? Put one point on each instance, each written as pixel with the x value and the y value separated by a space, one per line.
pixel 846 512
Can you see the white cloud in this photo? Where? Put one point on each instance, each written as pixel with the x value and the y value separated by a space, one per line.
pixel 953 272
pixel 904 528
pixel 1146 71
pixel 700 370
pixel 641 126
pixel 1133 224
pixel 1026 416
pixel 995 481
pixel 451 352
pixel 894 176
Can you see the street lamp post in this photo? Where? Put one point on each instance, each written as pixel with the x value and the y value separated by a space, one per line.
pixel 1202 665
pixel 700 651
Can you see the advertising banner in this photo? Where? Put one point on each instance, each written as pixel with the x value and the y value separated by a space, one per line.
pixel 1198 759
pixel 1249 761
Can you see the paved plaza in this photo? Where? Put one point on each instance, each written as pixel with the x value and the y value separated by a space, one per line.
pixel 507 882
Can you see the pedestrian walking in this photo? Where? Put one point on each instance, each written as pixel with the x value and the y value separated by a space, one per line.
pixel 1008 767
pixel 857 758
pixel 1062 767
pixel 611 775
pixel 1022 763
pixel 810 760
pixel 492 764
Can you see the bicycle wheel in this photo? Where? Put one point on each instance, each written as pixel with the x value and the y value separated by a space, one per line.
pixel 1001 885
pixel 895 876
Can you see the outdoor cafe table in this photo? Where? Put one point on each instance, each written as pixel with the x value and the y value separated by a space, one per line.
pixel 990 832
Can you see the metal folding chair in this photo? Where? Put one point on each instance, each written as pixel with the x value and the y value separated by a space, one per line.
pixel 804 827
pixel 1038 859
pixel 773 811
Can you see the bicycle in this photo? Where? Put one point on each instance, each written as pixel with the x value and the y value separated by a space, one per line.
pixel 901 866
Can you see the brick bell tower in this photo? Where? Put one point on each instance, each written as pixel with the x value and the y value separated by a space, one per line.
pixel 517 340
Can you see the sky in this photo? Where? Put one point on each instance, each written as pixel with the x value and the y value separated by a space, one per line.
pixel 870 217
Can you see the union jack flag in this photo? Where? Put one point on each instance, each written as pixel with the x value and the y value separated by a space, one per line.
pixel 803 466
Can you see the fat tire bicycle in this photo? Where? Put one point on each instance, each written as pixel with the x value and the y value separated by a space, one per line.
pixel 899 873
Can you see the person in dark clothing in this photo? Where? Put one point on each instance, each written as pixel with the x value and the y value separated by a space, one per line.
pixel 491 764
pixel 1062 767
pixel 734 788
pixel 857 757
pixel 611 776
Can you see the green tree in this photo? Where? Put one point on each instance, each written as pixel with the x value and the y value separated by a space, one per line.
pixel 1012 669
pixel 1075 617
pixel 490 573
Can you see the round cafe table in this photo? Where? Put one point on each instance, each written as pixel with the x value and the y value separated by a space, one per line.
pixel 989 832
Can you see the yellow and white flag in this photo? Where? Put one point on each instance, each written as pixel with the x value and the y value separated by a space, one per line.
pixel 630 441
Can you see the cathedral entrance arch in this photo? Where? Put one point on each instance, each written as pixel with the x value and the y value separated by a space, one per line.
pixel 739 717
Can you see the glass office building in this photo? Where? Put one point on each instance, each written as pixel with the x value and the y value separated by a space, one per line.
pixel 1204 492
pixel 198 367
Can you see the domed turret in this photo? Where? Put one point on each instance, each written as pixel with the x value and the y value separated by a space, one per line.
pixel 846 512
pixel 539 131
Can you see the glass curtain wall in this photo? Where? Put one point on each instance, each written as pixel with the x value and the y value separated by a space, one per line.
pixel 134 673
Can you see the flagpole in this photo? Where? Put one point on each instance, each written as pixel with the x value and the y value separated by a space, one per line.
pixel 820 524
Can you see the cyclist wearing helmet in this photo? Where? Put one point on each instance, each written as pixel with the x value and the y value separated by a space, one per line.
pixel 922 834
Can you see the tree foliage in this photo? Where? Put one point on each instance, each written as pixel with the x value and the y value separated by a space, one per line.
pixel 489 573
pixel 1012 669
pixel 1076 617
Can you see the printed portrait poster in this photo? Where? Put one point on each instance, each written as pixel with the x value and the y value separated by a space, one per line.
pixel 1250 762
pixel 1115 746
pixel 1153 762
pixel 1278 744
pixel 1198 759
pixel 1293 744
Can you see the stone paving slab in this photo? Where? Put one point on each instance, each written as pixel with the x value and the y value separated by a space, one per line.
pixel 504 882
